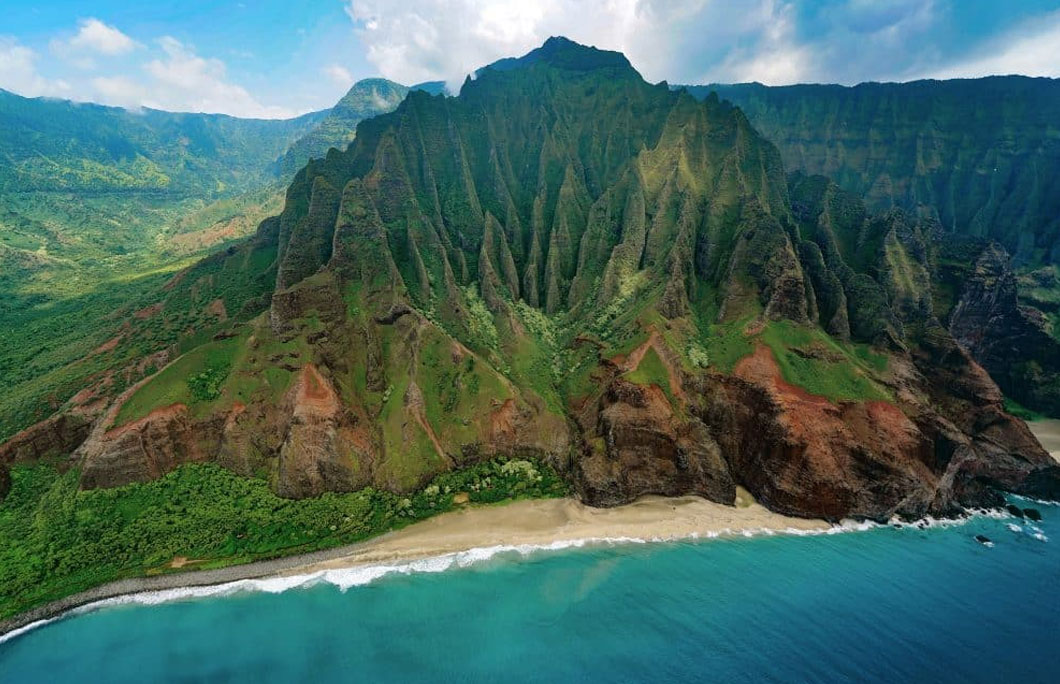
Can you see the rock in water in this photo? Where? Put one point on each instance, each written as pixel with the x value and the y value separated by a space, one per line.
pixel 1033 514
pixel 1014 510
pixel 984 540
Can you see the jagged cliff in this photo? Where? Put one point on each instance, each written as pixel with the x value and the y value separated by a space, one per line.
pixel 981 158
pixel 365 99
pixel 569 262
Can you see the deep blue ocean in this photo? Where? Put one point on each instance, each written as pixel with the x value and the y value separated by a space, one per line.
pixel 886 605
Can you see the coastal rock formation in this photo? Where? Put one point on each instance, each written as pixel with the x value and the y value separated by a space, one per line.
pixel 145 449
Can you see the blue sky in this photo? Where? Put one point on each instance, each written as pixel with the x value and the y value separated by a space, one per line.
pixel 276 58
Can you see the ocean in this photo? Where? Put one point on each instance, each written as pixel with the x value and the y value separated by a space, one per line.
pixel 884 605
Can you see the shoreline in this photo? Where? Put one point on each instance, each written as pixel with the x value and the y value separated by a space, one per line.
pixel 530 524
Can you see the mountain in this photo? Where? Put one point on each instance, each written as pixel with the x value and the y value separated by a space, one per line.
pixel 979 157
pixel 99 204
pixel 568 263
pixel 82 186
pixel 364 100
pixel 58 145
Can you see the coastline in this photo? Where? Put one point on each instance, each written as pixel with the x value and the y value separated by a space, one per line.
pixel 528 524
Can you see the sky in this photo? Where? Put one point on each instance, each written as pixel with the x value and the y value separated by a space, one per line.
pixel 277 58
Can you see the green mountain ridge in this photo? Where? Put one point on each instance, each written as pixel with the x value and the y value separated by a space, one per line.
pixel 58 145
pixel 981 157
pixel 364 100
pixel 484 275
pixel 100 203
pixel 978 155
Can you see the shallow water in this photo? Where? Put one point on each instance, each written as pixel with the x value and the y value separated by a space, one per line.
pixel 880 606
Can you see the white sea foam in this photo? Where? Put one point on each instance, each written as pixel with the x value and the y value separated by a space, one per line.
pixel 26 628
pixel 355 576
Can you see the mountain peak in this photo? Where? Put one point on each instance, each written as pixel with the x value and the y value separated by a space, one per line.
pixel 370 94
pixel 564 53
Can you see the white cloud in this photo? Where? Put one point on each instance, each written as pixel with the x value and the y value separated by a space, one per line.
pixel 1032 49
pixel 184 81
pixel 18 72
pixel 119 90
pixel 774 58
pixel 340 75
pixel 93 39
pixel 95 36
pixel 436 39
pixel 422 40
pixel 683 41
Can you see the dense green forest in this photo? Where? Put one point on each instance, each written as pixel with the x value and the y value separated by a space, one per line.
pixel 56 540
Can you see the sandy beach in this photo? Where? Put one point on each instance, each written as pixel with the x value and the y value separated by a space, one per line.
pixel 544 522
pixel 1048 433
pixel 519 524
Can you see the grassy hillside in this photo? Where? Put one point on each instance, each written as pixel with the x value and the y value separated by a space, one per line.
pixel 99 207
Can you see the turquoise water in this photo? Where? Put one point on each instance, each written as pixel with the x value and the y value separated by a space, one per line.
pixel 886 605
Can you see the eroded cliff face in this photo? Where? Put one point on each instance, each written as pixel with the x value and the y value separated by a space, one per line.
pixel 1010 340
pixel 567 262
pixel 979 155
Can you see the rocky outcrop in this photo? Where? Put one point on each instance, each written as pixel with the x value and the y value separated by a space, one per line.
pixel 323 450
pixel 52 438
pixel 148 448
pixel 639 446
pixel 800 452
pixel 1008 339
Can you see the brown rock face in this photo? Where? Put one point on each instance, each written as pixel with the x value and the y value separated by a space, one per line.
pixel 322 451
pixel 944 443
pixel 801 453
pixel 147 448
pixel 51 438
pixel 804 455
pixel 644 448
pixel 980 445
